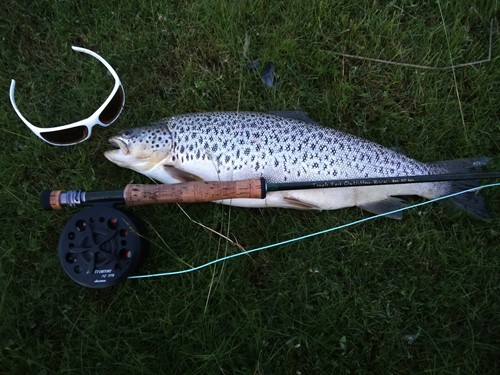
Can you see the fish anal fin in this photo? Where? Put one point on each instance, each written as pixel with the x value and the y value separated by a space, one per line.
pixel 181 175
pixel 474 202
pixel 383 206
pixel 300 205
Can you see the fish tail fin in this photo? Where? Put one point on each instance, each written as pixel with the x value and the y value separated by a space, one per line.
pixel 473 202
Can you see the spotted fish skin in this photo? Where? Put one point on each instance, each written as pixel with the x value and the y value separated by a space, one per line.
pixel 242 145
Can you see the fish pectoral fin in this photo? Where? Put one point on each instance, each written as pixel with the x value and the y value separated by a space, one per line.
pixel 181 175
pixel 383 206
pixel 300 204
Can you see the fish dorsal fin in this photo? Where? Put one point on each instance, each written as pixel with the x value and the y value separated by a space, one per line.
pixel 397 149
pixel 294 115
pixel 300 204
pixel 180 175
pixel 386 205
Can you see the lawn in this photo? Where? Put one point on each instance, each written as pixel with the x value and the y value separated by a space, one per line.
pixel 414 296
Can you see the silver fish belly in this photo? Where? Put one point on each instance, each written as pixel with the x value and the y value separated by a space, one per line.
pixel 243 145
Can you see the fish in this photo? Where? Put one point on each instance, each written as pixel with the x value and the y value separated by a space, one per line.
pixel 285 146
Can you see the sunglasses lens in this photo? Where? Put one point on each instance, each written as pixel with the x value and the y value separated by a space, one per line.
pixel 66 136
pixel 114 107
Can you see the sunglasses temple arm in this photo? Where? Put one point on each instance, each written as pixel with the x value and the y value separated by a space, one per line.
pixel 32 127
pixel 118 82
pixel 95 55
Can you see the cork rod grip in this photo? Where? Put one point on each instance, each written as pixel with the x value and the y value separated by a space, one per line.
pixel 196 191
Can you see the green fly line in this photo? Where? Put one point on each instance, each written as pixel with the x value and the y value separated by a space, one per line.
pixel 300 238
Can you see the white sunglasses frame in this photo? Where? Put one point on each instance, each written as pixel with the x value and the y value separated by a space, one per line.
pixel 88 122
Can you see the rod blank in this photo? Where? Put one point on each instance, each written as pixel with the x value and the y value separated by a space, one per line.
pixel 382 181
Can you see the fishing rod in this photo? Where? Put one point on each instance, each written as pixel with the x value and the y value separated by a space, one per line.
pixel 100 246
pixel 207 191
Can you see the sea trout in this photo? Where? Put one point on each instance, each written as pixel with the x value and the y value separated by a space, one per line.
pixel 284 147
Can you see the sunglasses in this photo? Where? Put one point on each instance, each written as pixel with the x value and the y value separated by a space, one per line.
pixel 71 134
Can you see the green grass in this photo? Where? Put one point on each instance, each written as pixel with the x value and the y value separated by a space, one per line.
pixel 337 303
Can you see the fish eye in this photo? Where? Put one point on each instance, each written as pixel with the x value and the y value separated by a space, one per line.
pixel 127 134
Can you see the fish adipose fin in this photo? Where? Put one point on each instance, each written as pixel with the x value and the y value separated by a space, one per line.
pixel 473 202
pixel 180 175
pixel 386 205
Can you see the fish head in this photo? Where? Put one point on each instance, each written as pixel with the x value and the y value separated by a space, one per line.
pixel 141 149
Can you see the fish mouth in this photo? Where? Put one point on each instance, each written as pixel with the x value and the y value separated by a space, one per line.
pixel 118 143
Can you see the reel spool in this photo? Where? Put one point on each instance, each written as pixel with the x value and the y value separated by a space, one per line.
pixel 100 246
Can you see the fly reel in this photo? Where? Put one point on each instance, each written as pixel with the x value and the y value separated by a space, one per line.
pixel 100 246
